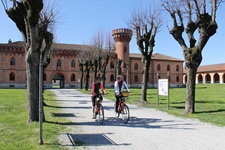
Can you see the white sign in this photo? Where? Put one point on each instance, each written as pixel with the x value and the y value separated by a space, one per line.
pixel 163 87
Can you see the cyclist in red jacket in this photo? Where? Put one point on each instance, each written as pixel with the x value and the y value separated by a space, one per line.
pixel 96 86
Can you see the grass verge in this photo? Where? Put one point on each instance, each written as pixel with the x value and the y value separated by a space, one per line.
pixel 16 133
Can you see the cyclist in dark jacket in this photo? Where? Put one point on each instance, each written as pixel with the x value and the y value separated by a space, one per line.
pixel 96 86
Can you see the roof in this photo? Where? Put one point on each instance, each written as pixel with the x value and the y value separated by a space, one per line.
pixel 69 46
pixel 157 56
pixel 210 68
pixel 63 46
pixel 14 44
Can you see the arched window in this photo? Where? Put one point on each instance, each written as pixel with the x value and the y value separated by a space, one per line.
pixel 135 78
pixel 72 77
pixel 112 77
pixel 58 65
pixel 177 79
pixel 12 76
pixel 12 61
pixel 135 66
pixel 44 77
pixel 168 68
pixel 158 67
pixel 177 68
pixel 73 63
pixel 112 64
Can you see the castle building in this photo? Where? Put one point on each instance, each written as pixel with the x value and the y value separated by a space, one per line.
pixel 63 70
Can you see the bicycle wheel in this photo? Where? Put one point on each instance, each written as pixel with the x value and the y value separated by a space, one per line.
pixel 101 114
pixel 125 113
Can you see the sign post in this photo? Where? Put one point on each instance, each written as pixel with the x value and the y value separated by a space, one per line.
pixel 163 89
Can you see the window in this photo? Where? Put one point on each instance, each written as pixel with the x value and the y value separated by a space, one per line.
pixel 12 76
pixel 58 65
pixel 177 78
pixel 177 68
pixel 158 67
pixel 72 63
pixel 135 66
pixel 135 78
pixel 125 49
pixel 12 61
pixel 112 64
pixel 168 68
pixel 112 77
pixel 72 77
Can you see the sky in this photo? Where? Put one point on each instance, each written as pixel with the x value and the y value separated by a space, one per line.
pixel 79 20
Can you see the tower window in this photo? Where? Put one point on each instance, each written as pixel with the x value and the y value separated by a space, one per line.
pixel 72 63
pixel 135 66
pixel 12 61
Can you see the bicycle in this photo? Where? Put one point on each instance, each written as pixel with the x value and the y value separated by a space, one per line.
pixel 123 109
pixel 99 110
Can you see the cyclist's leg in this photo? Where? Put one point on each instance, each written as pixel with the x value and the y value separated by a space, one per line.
pixel 116 103
pixel 93 106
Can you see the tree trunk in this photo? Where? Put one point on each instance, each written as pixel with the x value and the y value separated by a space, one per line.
pixel 32 66
pixel 87 79
pixel 193 58
pixel 81 80
pixel 143 97
pixel 190 90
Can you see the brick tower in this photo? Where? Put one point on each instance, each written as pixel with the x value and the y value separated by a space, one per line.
pixel 122 37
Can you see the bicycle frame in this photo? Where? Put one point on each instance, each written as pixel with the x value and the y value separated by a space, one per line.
pixel 99 111
pixel 123 109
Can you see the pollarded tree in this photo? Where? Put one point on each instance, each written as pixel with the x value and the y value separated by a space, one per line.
pixel 200 22
pixel 146 23
pixel 34 28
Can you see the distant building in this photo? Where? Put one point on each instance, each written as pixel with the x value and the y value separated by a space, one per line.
pixel 214 73
pixel 63 70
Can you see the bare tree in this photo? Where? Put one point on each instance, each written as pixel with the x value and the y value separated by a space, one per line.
pixel 86 63
pixel 97 42
pixel 107 53
pixel 103 47
pixel 34 27
pixel 146 22
pixel 198 21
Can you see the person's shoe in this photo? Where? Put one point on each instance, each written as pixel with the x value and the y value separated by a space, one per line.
pixel 94 117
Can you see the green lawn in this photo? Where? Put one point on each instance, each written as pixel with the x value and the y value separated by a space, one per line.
pixel 209 105
pixel 16 133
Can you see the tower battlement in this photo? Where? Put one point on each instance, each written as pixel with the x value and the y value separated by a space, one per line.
pixel 122 35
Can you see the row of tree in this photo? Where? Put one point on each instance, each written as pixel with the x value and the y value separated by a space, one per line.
pixel 95 57
pixel 34 23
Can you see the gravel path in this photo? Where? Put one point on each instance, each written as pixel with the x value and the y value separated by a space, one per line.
pixel 148 129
